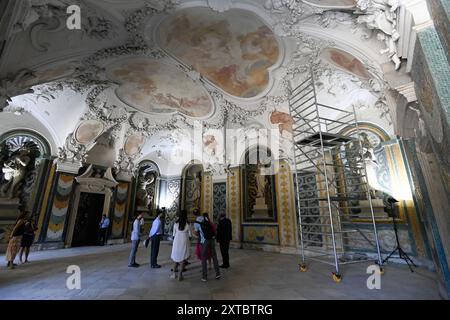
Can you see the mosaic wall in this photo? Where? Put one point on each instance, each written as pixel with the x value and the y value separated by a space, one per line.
pixel 263 234
pixel 431 75
pixel 119 210
pixel 60 206
pixel 219 199
pixel 309 207
pixel 170 198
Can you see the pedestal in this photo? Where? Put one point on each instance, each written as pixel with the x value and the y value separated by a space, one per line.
pixel 9 208
pixel 260 208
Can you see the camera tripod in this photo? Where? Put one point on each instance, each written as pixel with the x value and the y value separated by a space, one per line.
pixel 401 253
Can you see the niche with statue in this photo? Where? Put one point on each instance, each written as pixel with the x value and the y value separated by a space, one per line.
pixel 147 187
pixel 20 158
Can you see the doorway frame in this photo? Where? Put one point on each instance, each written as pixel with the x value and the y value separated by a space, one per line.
pixel 88 184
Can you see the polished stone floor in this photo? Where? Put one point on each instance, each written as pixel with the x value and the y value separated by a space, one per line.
pixel 253 275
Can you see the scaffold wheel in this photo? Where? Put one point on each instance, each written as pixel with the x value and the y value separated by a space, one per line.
pixel 303 267
pixel 337 277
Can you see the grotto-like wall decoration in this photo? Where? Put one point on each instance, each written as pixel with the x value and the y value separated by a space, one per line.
pixel 59 208
pixel 259 187
pixel 24 158
pixel 119 210
pixel 192 188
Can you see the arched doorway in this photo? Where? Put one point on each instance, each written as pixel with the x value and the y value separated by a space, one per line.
pixel 191 188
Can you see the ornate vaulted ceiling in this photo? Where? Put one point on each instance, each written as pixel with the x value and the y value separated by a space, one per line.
pixel 144 71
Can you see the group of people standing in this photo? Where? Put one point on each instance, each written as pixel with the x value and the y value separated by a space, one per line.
pixel 21 239
pixel 204 230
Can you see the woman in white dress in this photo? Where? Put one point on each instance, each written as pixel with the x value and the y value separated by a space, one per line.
pixel 181 245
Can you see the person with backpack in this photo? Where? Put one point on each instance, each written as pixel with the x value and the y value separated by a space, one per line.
pixel 208 242
pixel 198 248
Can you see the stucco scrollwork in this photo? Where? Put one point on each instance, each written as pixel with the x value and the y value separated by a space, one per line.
pixel 72 151
pixel 134 22
pixel 13 85
pixel 126 163
pixel 381 16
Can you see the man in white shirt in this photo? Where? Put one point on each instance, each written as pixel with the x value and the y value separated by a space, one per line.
pixel 135 239
pixel 155 235
pixel 104 225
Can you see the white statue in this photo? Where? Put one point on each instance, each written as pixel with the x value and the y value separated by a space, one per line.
pixel 145 194
pixel 260 182
pixel 14 171
pixel 391 48
pixel 381 15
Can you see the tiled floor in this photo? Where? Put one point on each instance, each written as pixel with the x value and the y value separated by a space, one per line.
pixel 253 275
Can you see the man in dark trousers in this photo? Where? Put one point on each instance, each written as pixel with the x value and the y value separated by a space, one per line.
pixel 104 225
pixel 155 235
pixel 224 238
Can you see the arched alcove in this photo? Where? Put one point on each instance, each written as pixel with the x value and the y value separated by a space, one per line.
pixel 24 156
pixel 259 201
pixel 146 199
pixel 191 187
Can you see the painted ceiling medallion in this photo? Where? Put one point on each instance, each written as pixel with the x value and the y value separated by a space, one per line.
pixel 152 87
pixel 133 144
pixel 232 49
pixel 88 131
pixel 346 62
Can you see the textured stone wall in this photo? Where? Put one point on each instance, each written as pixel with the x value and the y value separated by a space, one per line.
pixel 431 75
pixel 440 11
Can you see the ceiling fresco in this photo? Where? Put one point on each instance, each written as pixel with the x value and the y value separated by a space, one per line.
pixel 232 49
pixel 346 62
pixel 152 87
pixel 51 73
pixel 88 131
pixel 133 144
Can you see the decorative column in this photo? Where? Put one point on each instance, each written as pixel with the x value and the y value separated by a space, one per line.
pixel 286 207
pixel 207 194
pixel 234 191
pixel 59 201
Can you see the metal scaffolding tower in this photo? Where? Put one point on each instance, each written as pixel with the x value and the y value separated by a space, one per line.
pixel 333 193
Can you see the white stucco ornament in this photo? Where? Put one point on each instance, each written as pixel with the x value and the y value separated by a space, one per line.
pixel 381 16
pixel 220 5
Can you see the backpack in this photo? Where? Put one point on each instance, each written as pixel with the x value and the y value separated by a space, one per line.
pixel 207 230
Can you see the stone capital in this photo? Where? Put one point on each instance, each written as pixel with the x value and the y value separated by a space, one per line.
pixel 68 166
